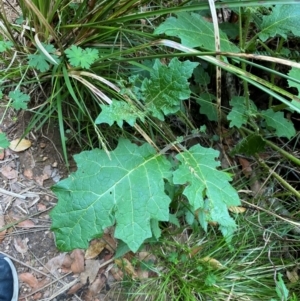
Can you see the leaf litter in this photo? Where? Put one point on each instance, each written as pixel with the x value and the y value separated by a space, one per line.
pixel 25 234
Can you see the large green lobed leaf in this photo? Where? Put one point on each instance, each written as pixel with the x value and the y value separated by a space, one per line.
pixel 126 190
pixel 167 87
pixel 207 188
pixel 194 31
pixel 283 20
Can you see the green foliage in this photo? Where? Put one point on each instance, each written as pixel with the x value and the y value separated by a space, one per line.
pixel 4 143
pixel 167 86
pixel 206 187
pixel 118 111
pixel 5 45
pixel 208 106
pixel 277 121
pixel 281 290
pixel 239 114
pixel 250 145
pixel 194 31
pixel 283 21
pixel 20 99
pixel 83 58
pixel 40 61
pixel 127 189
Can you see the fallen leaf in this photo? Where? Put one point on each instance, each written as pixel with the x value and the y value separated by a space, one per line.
pixel 29 279
pixel 1 153
pixel 2 224
pixel 18 145
pixel 95 288
pixel 21 245
pixel 9 172
pixel 28 173
pixel 117 273
pixel 95 248
pixel 75 288
pixel 26 224
pixel 55 263
pixel 236 209
pixel 77 265
pixel 90 272
pixel 293 275
pixel 127 267
pixel 212 262
pixel 246 166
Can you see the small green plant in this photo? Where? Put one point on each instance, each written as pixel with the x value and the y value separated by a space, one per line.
pixel 137 88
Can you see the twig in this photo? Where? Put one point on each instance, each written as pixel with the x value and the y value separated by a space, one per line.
pixel 12 194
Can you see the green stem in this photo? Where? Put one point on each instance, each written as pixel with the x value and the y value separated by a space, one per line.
pixel 279 178
pixel 284 153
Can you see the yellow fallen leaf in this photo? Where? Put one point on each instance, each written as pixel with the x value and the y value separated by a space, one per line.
pixel 236 209
pixel 127 266
pixel 293 275
pixel 18 145
pixel 212 262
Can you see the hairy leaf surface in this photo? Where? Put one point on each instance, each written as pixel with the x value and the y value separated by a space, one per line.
pixel 126 190
pixel 194 31
pixel 239 114
pixel 283 20
pixel 207 188
pixel 282 126
pixel 167 86
pixel 119 111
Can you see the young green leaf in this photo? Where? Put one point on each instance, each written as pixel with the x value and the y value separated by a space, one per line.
pixel 126 189
pixel 208 106
pixel 283 20
pixel 238 115
pixel 198 171
pixel 4 143
pixel 282 126
pixel 40 61
pixel 194 31
pixel 250 145
pixel 281 289
pixel 119 111
pixel 19 98
pixel 167 86
pixel 83 58
pixel 295 73
pixel 4 45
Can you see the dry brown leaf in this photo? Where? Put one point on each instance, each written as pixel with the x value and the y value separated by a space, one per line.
pixel 293 275
pixel 9 172
pixel 26 224
pixel 74 288
pixel 90 272
pixel 95 248
pixel 125 265
pixel 55 263
pixel 21 245
pixel 236 209
pixel 212 262
pixel 195 250
pixel 18 145
pixel 28 173
pixel 2 224
pixel 1 153
pixel 29 279
pixel 117 273
pixel 246 166
pixel 77 265
pixel 95 288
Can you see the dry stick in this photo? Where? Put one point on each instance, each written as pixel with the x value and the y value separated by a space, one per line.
pixel 12 194
pixel 22 219
pixel 218 68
